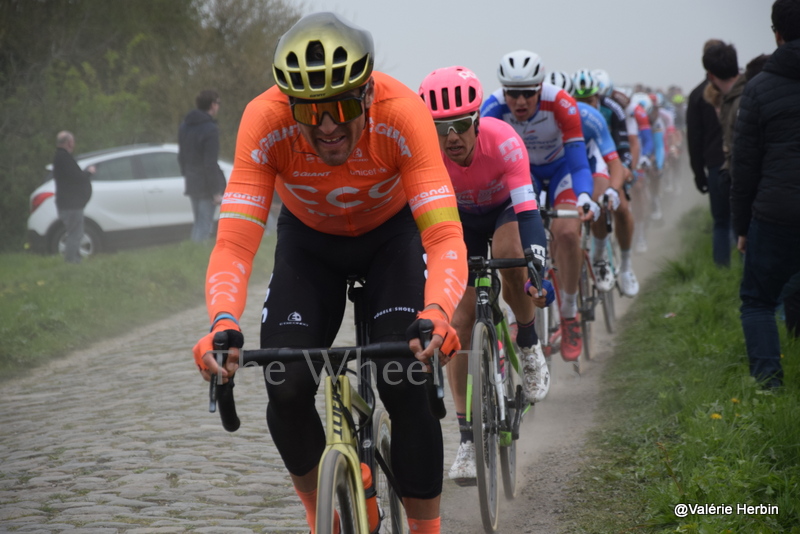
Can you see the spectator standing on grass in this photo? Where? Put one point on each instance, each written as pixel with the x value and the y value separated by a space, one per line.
pixel 198 155
pixel 73 191
pixel 704 139
pixel 765 191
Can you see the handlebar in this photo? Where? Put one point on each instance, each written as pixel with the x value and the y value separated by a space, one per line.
pixel 606 204
pixel 534 264
pixel 221 395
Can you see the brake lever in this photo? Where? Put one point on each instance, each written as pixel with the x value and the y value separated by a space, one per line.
pixel 219 356
pixel 435 393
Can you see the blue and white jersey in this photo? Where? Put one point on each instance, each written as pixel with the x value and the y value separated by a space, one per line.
pixel 555 123
pixel 600 147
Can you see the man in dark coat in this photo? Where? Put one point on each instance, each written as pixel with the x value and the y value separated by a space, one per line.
pixel 198 140
pixel 765 191
pixel 704 140
pixel 73 191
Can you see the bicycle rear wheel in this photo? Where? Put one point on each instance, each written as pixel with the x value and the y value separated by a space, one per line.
pixel 394 518
pixel 508 452
pixel 337 494
pixel 484 423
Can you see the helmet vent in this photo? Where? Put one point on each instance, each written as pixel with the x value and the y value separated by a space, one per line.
pixel 339 55
pixel 458 97
pixel 359 67
pixel 525 64
pixel 433 102
pixel 445 98
pixel 291 60
pixel 337 76
pixel 297 80
pixel 473 94
pixel 281 77
pixel 315 54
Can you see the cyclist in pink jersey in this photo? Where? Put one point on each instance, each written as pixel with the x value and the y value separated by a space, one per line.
pixel 497 201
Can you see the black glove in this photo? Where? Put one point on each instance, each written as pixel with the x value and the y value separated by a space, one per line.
pixel 701 182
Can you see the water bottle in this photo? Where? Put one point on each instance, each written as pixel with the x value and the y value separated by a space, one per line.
pixel 501 358
pixel 371 497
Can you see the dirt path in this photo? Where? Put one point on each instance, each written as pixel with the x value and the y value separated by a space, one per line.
pixel 549 450
pixel 118 438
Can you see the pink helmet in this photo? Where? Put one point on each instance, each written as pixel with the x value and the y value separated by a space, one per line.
pixel 451 91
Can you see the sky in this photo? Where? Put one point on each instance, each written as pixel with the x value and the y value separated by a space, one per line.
pixel 658 43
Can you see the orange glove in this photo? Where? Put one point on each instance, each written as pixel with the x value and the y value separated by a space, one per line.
pixel 206 343
pixel 441 327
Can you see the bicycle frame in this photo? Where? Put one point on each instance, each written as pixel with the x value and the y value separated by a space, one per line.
pixel 339 399
pixel 486 311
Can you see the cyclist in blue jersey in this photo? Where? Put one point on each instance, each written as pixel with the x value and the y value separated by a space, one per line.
pixel 547 119
pixel 598 113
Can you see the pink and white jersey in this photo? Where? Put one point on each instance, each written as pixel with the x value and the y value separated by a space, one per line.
pixel 499 169
pixel 556 123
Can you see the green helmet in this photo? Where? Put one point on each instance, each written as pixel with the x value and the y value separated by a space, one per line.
pixel 585 84
pixel 322 55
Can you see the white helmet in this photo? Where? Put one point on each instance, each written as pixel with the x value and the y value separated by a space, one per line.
pixel 561 79
pixel 603 81
pixel 643 99
pixel 521 69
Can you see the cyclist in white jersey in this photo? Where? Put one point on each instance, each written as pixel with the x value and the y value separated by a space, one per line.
pixel 488 166
pixel 547 119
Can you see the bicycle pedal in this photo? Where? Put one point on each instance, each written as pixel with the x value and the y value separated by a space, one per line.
pixel 465 482
pixel 506 438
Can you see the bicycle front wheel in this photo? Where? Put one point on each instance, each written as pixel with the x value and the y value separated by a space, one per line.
pixel 388 500
pixel 609 314
pixel 337 495
pixel 586 301
pixel 609 311
pixel 484 423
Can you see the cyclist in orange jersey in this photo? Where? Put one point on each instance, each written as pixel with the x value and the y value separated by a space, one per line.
pixel 354 156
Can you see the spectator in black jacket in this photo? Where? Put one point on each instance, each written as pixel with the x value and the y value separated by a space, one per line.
pixel 704 139
pixel 73 191
pixel 765 191
pixel 198 154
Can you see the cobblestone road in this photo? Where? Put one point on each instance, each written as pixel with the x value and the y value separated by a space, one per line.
pixel 119 439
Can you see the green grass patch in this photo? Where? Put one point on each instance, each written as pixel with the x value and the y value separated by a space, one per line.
pixel 681 420
pixel 49 307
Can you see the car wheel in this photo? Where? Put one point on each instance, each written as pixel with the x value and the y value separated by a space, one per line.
pixel 91 243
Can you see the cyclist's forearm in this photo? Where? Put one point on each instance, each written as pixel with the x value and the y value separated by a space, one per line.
pixel 447 265
pixel 582 181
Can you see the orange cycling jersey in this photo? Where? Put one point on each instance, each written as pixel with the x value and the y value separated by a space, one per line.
pixel 395 163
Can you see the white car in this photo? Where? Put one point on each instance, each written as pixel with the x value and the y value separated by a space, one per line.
pixel 137 200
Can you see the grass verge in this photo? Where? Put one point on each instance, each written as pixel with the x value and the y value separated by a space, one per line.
pixel 49 307
pixel 681 420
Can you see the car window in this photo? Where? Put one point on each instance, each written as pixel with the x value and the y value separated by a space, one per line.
pixel 160 165
pixel 114 170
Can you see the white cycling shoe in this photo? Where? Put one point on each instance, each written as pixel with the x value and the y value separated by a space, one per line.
pixel 535 374
pixel 628 283
pixel 604 276
pixel 463 471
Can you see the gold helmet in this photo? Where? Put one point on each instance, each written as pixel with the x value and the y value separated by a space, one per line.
pixel 322 55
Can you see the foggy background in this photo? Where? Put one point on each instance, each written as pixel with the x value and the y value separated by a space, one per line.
pixel 656 43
